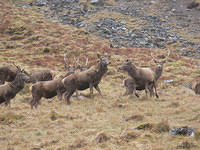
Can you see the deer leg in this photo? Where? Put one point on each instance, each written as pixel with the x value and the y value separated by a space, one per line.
pixel 7 102
pixel 154 85
pixel 59 95
pixel 146 89
pixel 134 91
pixel 126 92
pixel 35 101
pixel 91 90
pixel 67 96
pixel 98 89
pixel 77 94
pixel 151 90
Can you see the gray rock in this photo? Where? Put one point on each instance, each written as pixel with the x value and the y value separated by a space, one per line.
pixel 40 2
pixel 97 2
pixel 183 131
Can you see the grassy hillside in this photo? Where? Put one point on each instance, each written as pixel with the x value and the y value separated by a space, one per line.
pixel 28 39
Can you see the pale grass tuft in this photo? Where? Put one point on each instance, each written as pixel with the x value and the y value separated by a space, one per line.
pixel 163 126
pixel 10 118
pixel 174 104
pixel 129 135
pixel 79 142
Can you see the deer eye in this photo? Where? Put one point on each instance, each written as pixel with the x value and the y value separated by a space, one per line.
pixel 126 60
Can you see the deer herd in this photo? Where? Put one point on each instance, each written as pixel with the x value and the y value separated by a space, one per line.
pixel 46 84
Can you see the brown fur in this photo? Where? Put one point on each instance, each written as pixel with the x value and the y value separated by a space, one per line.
pixel 142 78
pixel 47 89
pixel 42 75
pixel 86 79
pixel 197 88
pixel 8 73
pixel 9 90
pixel 128 83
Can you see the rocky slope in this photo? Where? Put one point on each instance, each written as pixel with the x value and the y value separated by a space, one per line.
pixel 132 23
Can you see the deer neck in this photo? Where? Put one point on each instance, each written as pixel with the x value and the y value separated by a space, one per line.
pixel 158 73
pixel 102 68
pixel 132 71
pixel 18 83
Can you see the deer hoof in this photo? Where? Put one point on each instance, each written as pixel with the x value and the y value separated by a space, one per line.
pixel 137 95
pixel 157 96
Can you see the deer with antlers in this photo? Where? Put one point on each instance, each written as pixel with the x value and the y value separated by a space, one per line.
pixel 9 90
pixel 86 79
pixel 8 73
pixel 128 83
pixel 49 89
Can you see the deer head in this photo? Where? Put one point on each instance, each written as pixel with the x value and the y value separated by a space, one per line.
pixel 126 66
pixel 159 64
pixel 105 60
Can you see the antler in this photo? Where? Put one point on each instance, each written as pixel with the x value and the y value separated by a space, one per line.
pixel 153 57
pixel 76 62
pixel 17 66
pixel 65 61
pixel 167 55
pixel 86 62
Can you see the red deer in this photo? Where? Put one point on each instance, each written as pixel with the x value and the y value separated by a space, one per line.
pixel 49 89
pixel 128 83
pixel 159 67
pixel 9 90
pixel 86 79
pixel 42 75
pixel 8 73
pixel 143 78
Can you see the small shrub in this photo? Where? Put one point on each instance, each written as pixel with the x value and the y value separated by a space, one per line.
pixel 53 116
pixel 78 143
pixel 145 126
pixel 129 135
pixel 135 117
pixel 186 145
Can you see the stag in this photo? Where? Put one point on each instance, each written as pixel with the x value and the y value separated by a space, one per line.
pixel 128 83
pixel 86 79
pixel 8 73
pixel 9 90
pixel 49 89
pixel 159 65
pixel 142 78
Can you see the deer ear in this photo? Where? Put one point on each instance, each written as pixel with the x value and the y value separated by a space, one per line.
pixel 155 61
pixel 98 55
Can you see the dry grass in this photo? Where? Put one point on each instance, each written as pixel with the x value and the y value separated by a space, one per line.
pixel 99 123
